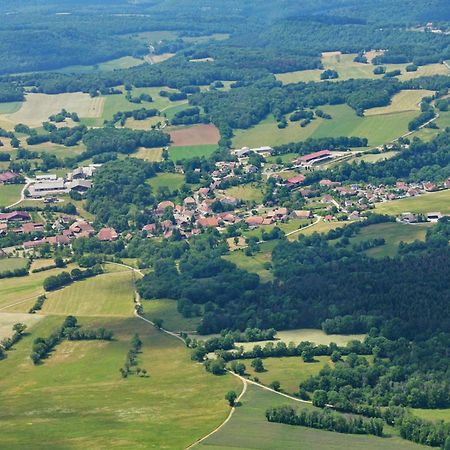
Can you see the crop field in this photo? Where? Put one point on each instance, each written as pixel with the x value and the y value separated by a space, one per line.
pixel 247 192
pixel 7 320
pixel 347 69
pixel 10 193
pixel 373 158
pixel 172 180
pixel 377 129
pixel 77 398
pixel 12 264
pixel 166 309
pixel 143 124
pixel 248 429
pixel 421 204
pixel 109 294
pixel 195 135
pixel 38 107
pixel 289 371
pixel 149 154
pixel 393 233
pixel 320 227
pixel 59 150
pixel 408 100
pixel 191 151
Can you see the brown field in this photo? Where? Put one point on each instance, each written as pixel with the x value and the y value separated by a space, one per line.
pixel 7 320
pixel 373 54
pixel 155 59
pixel 38 107
pixel 196 135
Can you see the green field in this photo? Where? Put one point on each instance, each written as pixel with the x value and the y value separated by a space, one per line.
pixel 393 233
pixel 191 151
pixel 434 201
pixel 408 100
pixel 166 309
pixel 289 371
pixel 77 398
pixel 10 107
pixel 12 264
pixel 377 129
pixel 246 192
pixel 10 193
pixel 172 180
pixel 432 414
pixel 110 294
pixel 149 154
pixel 248 430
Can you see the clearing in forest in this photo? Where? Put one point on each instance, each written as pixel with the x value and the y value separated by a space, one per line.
pixel 195 135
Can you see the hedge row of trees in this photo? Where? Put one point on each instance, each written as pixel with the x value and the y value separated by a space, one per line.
pixel 131 361
pixel 65 278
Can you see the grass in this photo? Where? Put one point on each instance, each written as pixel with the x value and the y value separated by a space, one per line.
pixel 247 192
pixel 172 180
pixel 393 233
pixel 320 227
pixel 166 309
pixel 248 429
pixel 10 107
pixel 120 63
pixel 109 294
pixel 76 399
pixel 408 100
pixel 191 151
pixel 422 204
pixel 378 129
pixel 432 414
pixel 12 264
pixel 10 193
pixel 7 320
pixel 289 371
pixel 149 154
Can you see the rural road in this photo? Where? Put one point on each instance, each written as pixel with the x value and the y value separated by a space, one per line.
pixel 22 194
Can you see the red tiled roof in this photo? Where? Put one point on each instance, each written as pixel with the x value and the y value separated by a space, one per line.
pixel 315 155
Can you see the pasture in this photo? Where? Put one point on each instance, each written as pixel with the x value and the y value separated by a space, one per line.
pixel 191 151
pixel 120 63
pixel 38 107
pixel 194 135
pixel 12 264
pixel 408 100
pixel 77 399
pixel 149 154
pixel 421 204
pixel 10 193
pixel 432 414
pixel 172 180
pixel 247 192
pixel 10 107
pixel 249 429
pixel 110 294
pixel 393 233
pixel 319 227
pixel 7 320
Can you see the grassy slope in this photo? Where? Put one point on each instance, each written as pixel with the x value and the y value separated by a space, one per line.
pixel 246 192
pixel 77 399
pixel 435 201
pixel 7 320
pixel 10 193
pixel 249 429
pixel 171 180
pixel 403 101
pixel 191 151
pixel 432 414
pixel 12 263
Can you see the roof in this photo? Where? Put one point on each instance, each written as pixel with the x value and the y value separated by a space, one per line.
pixel 254 220
pixel 206 222
pixel 15 215
pixel 107 234
pixel 315 155
pixel 166 204
pixel 297 179
pixel 7 176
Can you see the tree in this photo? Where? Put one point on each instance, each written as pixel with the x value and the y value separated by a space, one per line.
pixel 59 262
pixel 158 323
pixel 335 356
pixel 238 367
pixel 275 385
pixel 19 328
pixel 231 397
pixel 308 355
pixel 258 365
pixel 319 398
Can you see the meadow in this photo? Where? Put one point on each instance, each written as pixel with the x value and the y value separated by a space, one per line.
pixel 408 100
pixel 246 192
pixel 10 193
pixel 7 320
pixel 77 399
pixel 191 151
pixel 248 429
pixel 432 414
pixel 12 264
pixel 433 201
pixel 172 180
pixel 149 154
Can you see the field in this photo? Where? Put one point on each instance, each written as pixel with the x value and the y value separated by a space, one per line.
pixel 10 193
pixel 248 429
pixel 393 233
pixel 319 227
pixel 408 100
pixel 246 193
pixel 195 135
pixel 434 201
pixel 110 294
pixel 432 414
pixel 7 320
pixel 77 399
pixel 347 69
pixel 172 180
pixel 38 107
pixel 120 63
pixel 10 107
pixel 12 264
pixel 191 151
pixel 166 309
pixel 289 371
pixel 378 129
pixel 149 154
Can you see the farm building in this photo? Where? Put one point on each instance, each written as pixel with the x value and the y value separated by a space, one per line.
pixel 313 158
pixel 107 234
pixel 8 177
pixel 15 216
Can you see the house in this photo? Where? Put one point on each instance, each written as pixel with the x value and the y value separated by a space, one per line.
pixel 162 206
pixel 15 216
pixel 295 181
pixel 254 221
pixel 229 201
pixel 301 214
pixel 328 218
pixel 328 183
pixel 31 227
pixel 81 228
pixel 434 216
pixel 3 229
pixel 167 225
pixel 81 186
pixel 107 234
pixel 208 222
pixel 8 177
pixel 149 228
pixel 408 217
pixel 46 177
pixel 189 203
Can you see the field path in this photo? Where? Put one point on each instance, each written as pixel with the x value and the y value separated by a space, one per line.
pixel 22 194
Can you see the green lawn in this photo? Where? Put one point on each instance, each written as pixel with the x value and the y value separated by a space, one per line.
pixel 434 201
pixel 249 430
pixel 10 193
pixel 166 309
pixel 110 294
pixel 77 399
pixel 378 129
pixel 393 233
pixel 247 192
pixel 171 180
pixel 12 264
pixel 191 151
